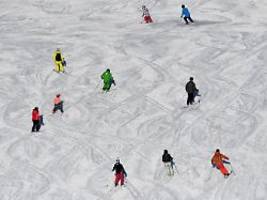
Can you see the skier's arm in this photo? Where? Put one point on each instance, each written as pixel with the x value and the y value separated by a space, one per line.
pixel 124 171
pixel 102 76
pixel 212 161
pixel 225 157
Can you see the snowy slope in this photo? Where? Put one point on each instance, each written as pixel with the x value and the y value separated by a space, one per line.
pixel 71 158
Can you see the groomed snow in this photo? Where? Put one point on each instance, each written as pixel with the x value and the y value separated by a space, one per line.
pixel 225 50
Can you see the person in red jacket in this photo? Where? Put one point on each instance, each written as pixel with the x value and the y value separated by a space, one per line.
pixel 36 120
pixel 218 160
pixel 58 104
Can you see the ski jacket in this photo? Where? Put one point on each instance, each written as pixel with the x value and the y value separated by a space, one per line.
pixel 190 87
pixel 57 100
pixel 107 77
pixel 185 12
pixel 57 56
pixel 146 12
pixel 166 158
pixel 218 158
pixel 118 168
pixel 35 115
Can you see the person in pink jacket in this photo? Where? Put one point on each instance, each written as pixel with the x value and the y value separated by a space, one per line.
pixel 58 104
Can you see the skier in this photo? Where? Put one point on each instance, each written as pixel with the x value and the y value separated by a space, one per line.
pixel 36 120
pixel 218 160
pixel 59 61
pixel 191 89
pixel 146 15
pixel 120 173
pixel 168 162
pixel 186 15
pixel 58 104
pixel 108 80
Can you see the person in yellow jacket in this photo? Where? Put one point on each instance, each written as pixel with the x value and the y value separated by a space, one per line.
pixel 59 61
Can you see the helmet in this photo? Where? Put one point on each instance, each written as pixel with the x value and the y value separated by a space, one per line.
pixel 183 6
pixel 191 78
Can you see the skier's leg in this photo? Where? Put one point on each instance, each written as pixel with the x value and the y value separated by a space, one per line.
pixel 33 126
pixel 117 179
pixel 57 67
pixel 61 67
pixel 223 170
pixel 55 108
pixel 188 100
pixel 185 19
pixel 150 19
pixel 108 87
pixel 191 20
pixel 38 126
pixel 122 179
pixel 61 107
pixel 168 165
pixel 191 98
pixel 105 87
pixel 145 19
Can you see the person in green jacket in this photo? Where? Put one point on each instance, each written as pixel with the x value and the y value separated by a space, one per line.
pixel 108 80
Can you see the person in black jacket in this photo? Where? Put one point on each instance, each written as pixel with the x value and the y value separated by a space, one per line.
pixel 168 162
pixel 191 90
pixel 120 172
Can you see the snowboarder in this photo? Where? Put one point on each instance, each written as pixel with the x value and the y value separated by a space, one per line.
pixel 59 61
pixel 218 160
pixel 108 80
pixel 146 15
pixel 186 15
pixel 58 104
pixel 168 162
pixel 36 120
pixel 191 90
pixel 120 173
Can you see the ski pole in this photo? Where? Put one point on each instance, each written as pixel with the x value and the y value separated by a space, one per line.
pixel 175 167
pixel 233 171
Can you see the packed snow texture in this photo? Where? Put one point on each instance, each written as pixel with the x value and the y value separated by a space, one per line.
pixel 71 158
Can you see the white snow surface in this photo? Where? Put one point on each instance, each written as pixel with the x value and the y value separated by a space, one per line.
pixel 71 158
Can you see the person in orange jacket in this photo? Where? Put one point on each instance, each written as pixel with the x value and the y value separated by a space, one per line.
pixel 58 104
pixel 218 160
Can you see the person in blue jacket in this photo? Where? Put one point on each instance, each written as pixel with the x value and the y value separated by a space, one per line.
pixel 186 14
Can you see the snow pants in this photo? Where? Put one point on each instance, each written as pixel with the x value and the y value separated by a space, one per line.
pixel 169 168
pixel 119 177
pixel 186 19
pixel 148 19
pixel 58 106
pixel 59 66
pixel 222 168
pixel 190 98
pixel 107 85
pixel 36 126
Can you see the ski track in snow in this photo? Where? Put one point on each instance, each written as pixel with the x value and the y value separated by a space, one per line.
pixel 72 157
